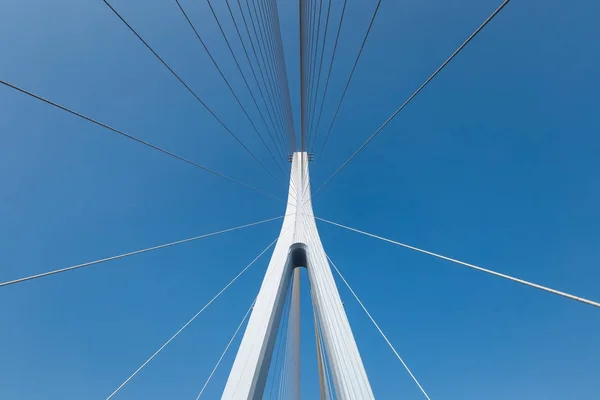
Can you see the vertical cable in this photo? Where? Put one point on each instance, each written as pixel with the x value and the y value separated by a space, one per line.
pixel 268 86
pixel 280 64
pixel 227 42
pixel 362 46
pixel 321 58
pixel 259 30
pixel 285 76
pixel 270 111
pixel 269 35
pixel 302 88
pixel 310 14
pixel 313 67
pixel 337 38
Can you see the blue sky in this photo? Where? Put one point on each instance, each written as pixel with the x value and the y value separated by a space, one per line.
pixel 495 163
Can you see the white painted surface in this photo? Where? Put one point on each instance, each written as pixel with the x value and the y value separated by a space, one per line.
pixel 249 372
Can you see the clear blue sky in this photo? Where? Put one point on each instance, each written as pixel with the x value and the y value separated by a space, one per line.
pixel 495 163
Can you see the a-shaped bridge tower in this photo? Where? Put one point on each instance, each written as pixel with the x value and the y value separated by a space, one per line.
pixel 298 245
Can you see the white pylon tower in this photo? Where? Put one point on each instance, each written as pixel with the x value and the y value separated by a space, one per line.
pixel 298 245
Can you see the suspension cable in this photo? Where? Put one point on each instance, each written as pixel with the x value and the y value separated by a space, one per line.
pixel 437 71
pixel 379 329
pixel 128 136
pixel 132 253
pixel 191 320
pixel 488 271
pixel 188 88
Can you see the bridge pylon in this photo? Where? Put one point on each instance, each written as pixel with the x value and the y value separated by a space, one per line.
pixel 299 245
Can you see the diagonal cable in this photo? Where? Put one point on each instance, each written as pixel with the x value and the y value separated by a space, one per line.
pixel 337 37
pixel 313 66
pixel 132 253
pixel 283 66
pixel 472 266
pixel 312 14
pixel 271 39
pixel 268 83
pixel 270 113
pixel 321 58
pixel 188 88
pixel 225 351
pixel 437 71
pixel 191 320
pixel 379 329
pixel 282 122
pixel 269 14
pixel 243 75
pixel 237 99
pixel 302 33
pixel 310 62
pixel 128 136
pixel 362 46
pixel 268 42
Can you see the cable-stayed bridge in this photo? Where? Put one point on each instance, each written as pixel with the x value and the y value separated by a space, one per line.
pixel 291 140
